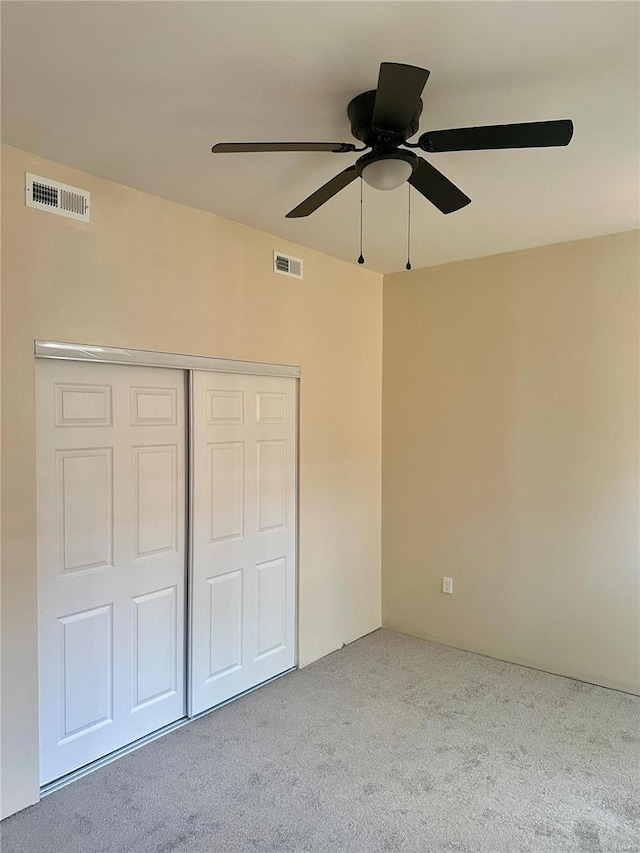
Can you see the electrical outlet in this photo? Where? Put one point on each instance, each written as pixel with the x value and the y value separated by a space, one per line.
pixel 447 585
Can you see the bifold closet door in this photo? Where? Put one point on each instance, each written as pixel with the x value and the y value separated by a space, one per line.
pixel 111 557
pixel 243 581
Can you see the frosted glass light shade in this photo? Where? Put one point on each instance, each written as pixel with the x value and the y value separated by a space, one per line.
pixel 387 174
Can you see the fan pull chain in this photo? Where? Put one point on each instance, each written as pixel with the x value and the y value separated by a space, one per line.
pixel 408 266
pixel 361 258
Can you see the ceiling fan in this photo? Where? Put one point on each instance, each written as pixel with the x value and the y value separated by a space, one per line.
pixel 383 119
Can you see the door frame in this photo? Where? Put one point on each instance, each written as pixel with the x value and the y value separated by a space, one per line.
pixel 188 363
pixel 149 358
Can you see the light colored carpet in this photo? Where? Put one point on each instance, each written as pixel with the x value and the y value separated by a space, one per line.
pixel 391 744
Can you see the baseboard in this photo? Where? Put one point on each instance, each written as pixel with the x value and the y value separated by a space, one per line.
pixel 621 687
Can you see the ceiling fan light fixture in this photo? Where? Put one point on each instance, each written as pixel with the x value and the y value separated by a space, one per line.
pixel 388 173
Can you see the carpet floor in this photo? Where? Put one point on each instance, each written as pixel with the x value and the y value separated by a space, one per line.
pixel 390 744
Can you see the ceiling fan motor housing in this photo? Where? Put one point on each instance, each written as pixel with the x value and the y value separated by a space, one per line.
pixel 360 113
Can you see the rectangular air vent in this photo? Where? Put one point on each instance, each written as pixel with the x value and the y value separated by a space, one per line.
pixel 286 265
pixel 54 197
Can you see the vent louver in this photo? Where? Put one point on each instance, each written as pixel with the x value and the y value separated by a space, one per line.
pixel 55 197
pixel 287 265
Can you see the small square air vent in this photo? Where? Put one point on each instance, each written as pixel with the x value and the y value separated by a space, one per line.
pixel 286 265
pixel 45 194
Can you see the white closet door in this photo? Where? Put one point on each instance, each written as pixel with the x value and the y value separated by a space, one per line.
pixel 243 588
pixel 111 557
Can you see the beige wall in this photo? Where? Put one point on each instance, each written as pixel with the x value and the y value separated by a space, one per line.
pixel 510 457
pixel 510 405
pixel 150 274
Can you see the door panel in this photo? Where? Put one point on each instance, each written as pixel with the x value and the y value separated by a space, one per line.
pixel 84 496
pixel 243 589
pixel 155 665
pixel 155 499
pixel 86 676
pixel 83 405
pixel 271 594
pixel 111 557
pixel 226 490
pixel 272 484
pixel 225 624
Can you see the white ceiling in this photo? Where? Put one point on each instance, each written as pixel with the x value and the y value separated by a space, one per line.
pixel 137 92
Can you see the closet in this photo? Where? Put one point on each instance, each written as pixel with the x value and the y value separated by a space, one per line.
pixel 166 545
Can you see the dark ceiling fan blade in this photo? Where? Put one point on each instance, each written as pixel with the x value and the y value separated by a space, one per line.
pixel 318 198
pixel 398 95
pixel 437 189
pixel 533 134
pixel 251 147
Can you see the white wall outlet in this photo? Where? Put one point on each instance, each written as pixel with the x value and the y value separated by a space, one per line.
pixel 447 585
